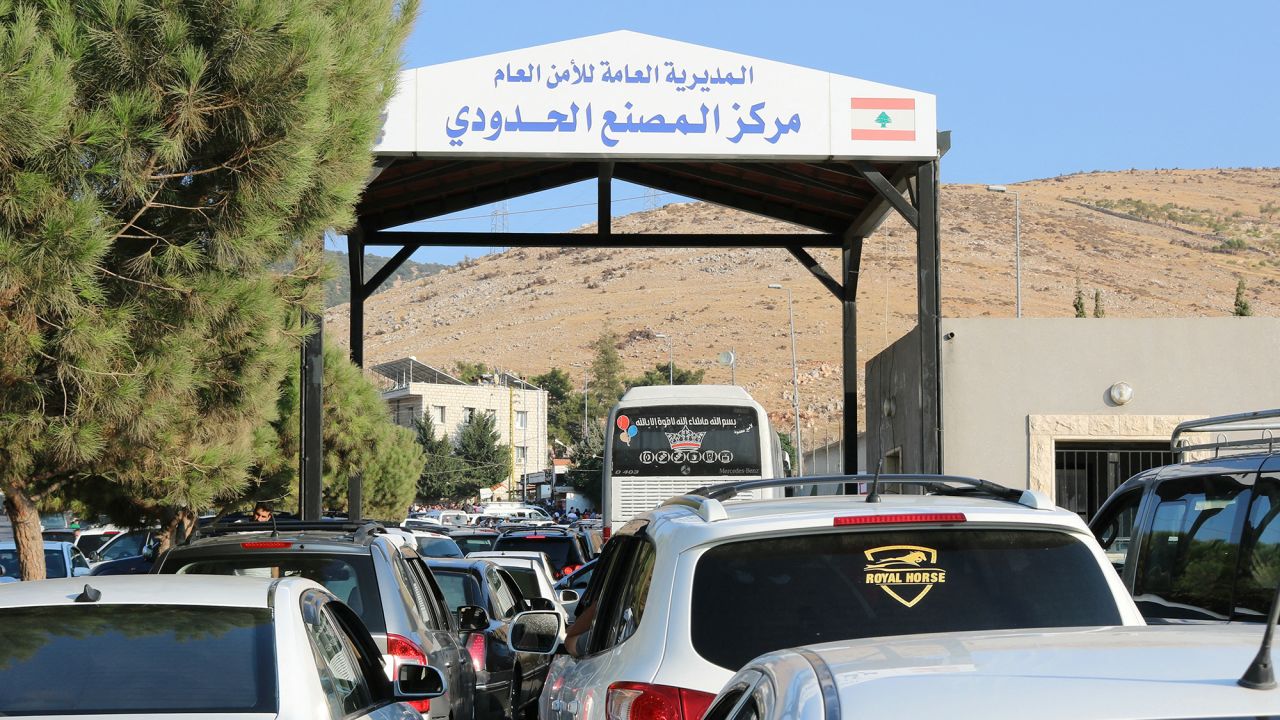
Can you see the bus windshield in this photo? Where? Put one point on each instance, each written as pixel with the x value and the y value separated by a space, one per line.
pixel 686 440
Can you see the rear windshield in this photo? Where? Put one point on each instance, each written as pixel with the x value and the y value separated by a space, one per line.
pixel 92 659
pixel 350 577
pixel 459 587
pixel 755 596
pixel 475 543
pixel 558 548
pixel 89 543
pixel 54 565
pixel 438 547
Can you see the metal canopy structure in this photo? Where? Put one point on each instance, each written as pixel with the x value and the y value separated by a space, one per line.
pixel 832 154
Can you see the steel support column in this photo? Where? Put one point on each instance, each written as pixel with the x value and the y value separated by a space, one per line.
pixel 851 265
pixel 310 414
pixel 604 201
pixel 355 263
pixel 929 311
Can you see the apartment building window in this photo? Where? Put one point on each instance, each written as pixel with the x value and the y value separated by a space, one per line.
pixel 468 414
pixel 522 419
pixel 437 414
pixel 521 453
pixel 493 414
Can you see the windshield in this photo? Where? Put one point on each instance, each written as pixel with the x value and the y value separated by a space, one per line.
pixel 686 440
pixel 54 564
pixel 754 596
pixel 475 543
pixel 438 547
pixel 350 577
pixel 126 656
pixel 557 548
pixel 124 545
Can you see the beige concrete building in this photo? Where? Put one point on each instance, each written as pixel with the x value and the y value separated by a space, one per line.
pixel 1069 406
pixel 518 408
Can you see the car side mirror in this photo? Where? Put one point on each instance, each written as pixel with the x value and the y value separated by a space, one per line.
pixel 79 571
pixel 92 556
pixel 569 596
pixel 415 681
pixel 149 553
pixel 473 618
pixel 536 631
pixel 541 603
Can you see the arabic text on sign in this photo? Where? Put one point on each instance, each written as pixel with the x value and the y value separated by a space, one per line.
pixel 665 73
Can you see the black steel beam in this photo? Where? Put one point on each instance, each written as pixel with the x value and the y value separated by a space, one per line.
pixel 419 239
pixel 888 191
pixel 851 266
pixel 736 182
pixel 929 312
pixel 815 267
pixel 746 203
pixel 310 419
pixel 604 200
pixel 385 271
pixel 781 172
pixel 355 264
pixel 497 192
pixel 873 214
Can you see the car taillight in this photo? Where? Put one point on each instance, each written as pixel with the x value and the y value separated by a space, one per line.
pixel 476 649
pixel 606 532
pixel 422 706
pixel 402 649
pixel 266 545
pixel 645 701
pixel 568 570
pixel 899 519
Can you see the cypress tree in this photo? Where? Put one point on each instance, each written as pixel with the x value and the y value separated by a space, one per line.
pixel 1242 308
pixel 1097 304
pixel 156 157
pixel 487 462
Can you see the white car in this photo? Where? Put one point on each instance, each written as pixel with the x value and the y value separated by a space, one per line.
pixel 213 646
pixel 686 594
pixel 61 560
pixel 1062 674
pixel 533 575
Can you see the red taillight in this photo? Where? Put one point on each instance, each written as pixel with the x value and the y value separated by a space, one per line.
pixel 607 532
pixel 899 519
pixel 402 649
pixel 535 537
pixel 422 706
pixel 568 570
pixel 476 649
pixel 266 545
pixel 643 701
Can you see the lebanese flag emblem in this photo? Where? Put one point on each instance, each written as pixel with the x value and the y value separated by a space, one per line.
pixel 883 118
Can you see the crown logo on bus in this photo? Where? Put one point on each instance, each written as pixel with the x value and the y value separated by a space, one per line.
pixel 686 439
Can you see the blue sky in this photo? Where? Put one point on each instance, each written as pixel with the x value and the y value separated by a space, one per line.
pixel 1029 89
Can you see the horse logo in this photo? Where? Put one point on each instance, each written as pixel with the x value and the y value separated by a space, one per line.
pixel 906 572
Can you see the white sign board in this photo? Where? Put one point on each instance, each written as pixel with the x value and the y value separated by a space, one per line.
pixel 627 95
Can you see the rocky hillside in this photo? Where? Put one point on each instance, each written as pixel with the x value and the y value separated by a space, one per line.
pixel 1153 243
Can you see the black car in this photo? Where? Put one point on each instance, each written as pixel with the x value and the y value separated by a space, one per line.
pixel 485 600
pixel 1198 541
pixel 474 539
pixel 377 574
pixel 565 549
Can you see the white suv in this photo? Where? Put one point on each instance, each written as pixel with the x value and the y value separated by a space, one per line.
pixel 686 594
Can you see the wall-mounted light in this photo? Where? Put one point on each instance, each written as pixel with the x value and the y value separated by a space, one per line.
pixel 1121 393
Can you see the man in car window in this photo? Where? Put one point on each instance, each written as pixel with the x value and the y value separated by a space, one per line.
pixel 262 512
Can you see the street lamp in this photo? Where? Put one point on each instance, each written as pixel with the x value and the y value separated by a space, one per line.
pixel 671 358
pixel 795 381
pixel 1017 244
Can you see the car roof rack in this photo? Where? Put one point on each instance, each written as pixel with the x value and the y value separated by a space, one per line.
pixel 1224 424
pixel 706 501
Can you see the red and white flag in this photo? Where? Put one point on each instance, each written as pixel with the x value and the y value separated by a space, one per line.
pixel 883 118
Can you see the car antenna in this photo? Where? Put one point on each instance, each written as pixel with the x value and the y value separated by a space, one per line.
pixel 89 594
pixel 874 495
pixel 1259 675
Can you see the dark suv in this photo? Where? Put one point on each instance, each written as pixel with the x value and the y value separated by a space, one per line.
pixel 377 574
pixel 1199 540
pixel 565 549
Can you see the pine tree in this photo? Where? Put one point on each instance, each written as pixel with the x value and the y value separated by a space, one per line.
pixel 487 462
pixel 661 374
pixel 606 373
pixel 1097 304
pixel 156 157
pixel 442 472
pixel 1242 308
pixel 1078 303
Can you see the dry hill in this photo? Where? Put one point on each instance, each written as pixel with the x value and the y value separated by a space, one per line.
pixel 1155 243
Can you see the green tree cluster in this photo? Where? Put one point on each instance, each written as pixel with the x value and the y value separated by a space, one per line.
pixel 157 157
pixel 459 470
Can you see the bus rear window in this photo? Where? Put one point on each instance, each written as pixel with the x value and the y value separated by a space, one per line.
pixel 686 441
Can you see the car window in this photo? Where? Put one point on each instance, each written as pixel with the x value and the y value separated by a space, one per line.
pixel 1188 562
pixel 608 589
pixel 504 603
pixel 128 659
pixel 475 543
pixel 439 613
pixel 1114 527
pixel 752 596
pixel 55 564
pixel 561 550
pixel 438 547
pixel 90 543
pixel 416 591
pixel 345 688
pixel 629 609
pixel 526 580
pixel 350 577
pixel 77 559
pixel 1259 569
pixel 460 588
pixel 124 545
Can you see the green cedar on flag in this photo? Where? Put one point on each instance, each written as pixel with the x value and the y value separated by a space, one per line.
pixel 883 118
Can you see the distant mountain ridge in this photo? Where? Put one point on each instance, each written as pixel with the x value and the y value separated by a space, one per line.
pixel 338 290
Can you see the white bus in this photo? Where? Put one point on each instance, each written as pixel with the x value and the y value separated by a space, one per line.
pixel 666 440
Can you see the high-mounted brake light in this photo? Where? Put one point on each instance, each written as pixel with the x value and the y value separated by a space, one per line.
pixel 898 519
pixel 535 537
pixel 266 545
